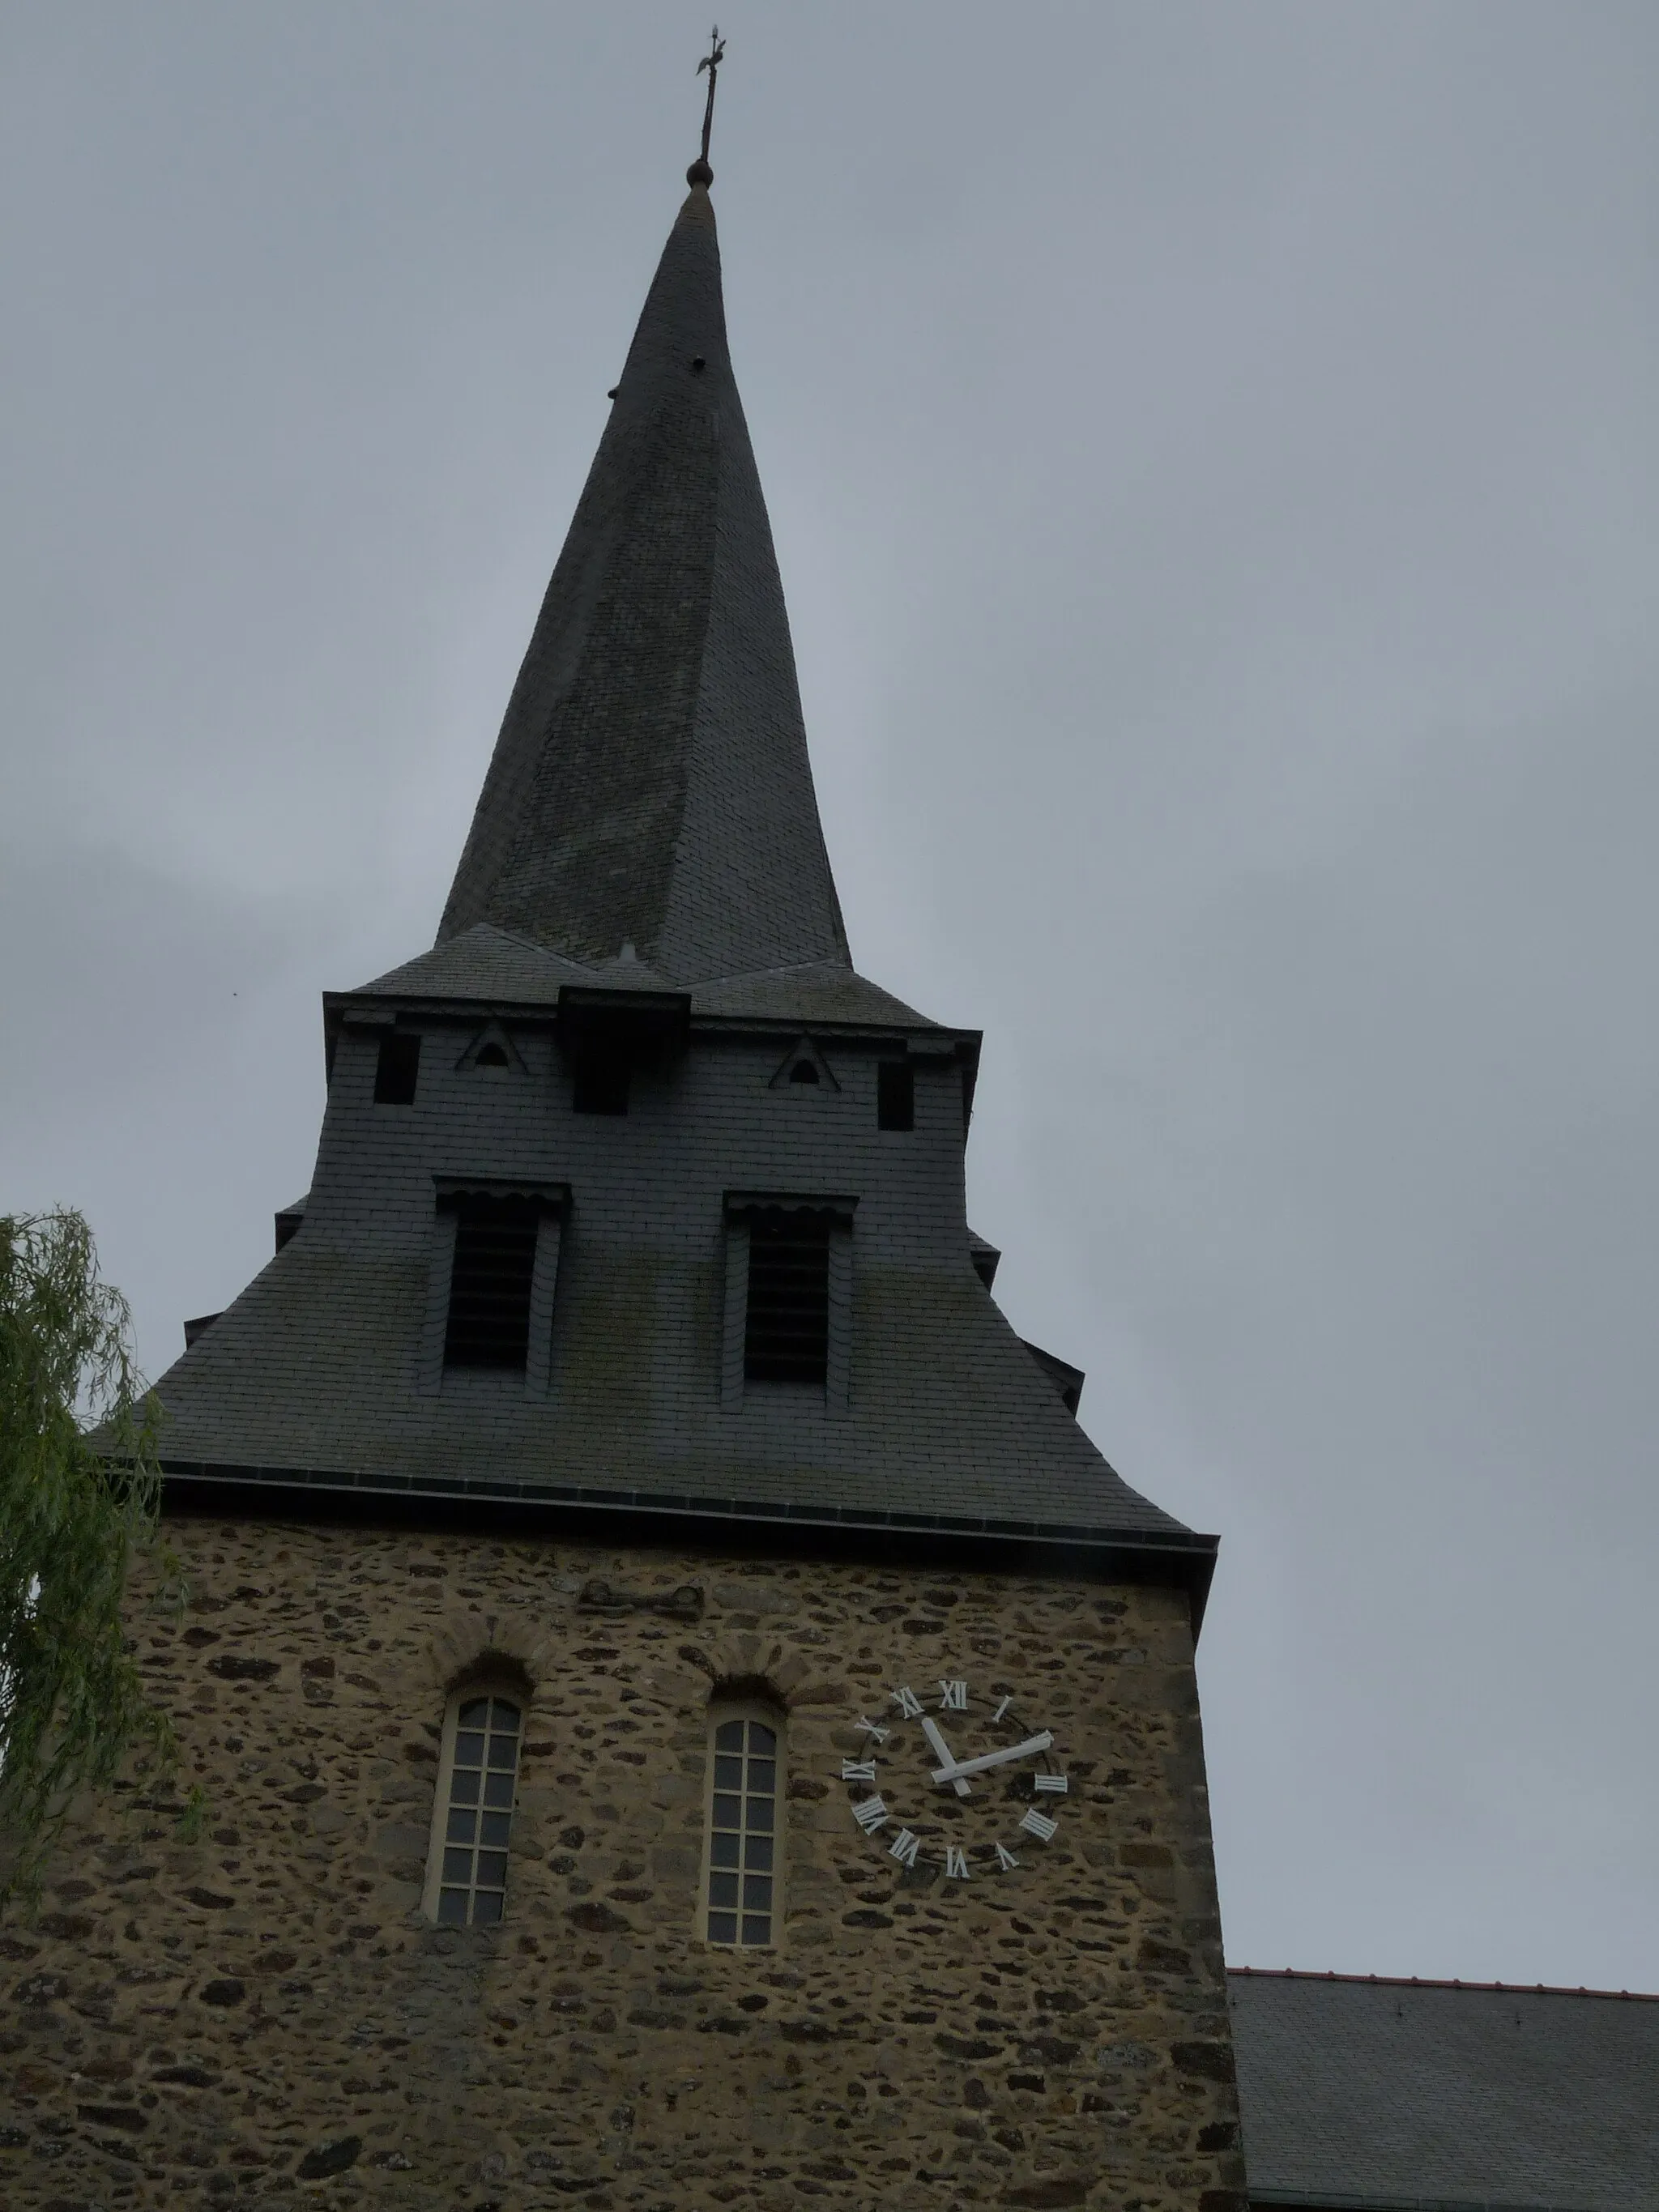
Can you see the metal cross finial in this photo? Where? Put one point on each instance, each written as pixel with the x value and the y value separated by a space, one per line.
pixel 700 172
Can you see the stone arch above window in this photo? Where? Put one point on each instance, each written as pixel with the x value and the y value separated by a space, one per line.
pixel 758 1667
pixel 466 1879
pixel 741 1901
pixel 512 1646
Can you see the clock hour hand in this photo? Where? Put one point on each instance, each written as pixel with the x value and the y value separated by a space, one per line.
pixel 948 1772
pixel 953 1772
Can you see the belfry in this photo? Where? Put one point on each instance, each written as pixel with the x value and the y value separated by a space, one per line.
pixel 687 1715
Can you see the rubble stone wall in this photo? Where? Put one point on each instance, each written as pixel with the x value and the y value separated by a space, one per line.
pixel 259 2014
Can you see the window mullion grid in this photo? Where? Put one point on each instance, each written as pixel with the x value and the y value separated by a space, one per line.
pixel 788 1305
pixel 478 1818
pixel 743 1835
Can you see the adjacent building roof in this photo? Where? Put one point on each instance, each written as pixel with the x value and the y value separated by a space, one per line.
pixel 650 786
pixel 1383 2094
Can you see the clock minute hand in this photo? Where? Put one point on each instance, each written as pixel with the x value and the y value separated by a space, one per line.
pixel 954 1772
pixel 949 1773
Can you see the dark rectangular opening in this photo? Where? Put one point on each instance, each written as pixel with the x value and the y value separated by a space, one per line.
pixel 895 1094
pixel 600 1074
pixel 397 1070
pixel 489 1283
pixel 786 1329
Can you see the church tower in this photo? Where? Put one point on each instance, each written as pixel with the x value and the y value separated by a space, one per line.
pixel 687 1716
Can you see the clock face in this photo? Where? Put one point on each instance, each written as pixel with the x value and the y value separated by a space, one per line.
pixel 951 1777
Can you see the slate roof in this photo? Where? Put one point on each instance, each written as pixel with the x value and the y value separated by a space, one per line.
pixel 1373 2092
pixel 310 1377
pixel 651 785
pixel 649 825
pixel 489 966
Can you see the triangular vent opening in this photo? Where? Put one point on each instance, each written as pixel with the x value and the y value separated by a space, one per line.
pixel 493 1052
pixel 804 1068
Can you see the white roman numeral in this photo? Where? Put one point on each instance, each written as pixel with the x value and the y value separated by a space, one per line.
pixel 876 1735
pixel 1002 1708
pixel 1051 1785
pixel 904 1847
pixel 1006 1859
pixel 858 1770
pixel 909 1704
pixel 1038 1825
pixel 953 1696
pixel 870 1814
pixel 956 1863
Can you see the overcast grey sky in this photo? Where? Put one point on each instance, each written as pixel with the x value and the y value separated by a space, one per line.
pixel 1212 452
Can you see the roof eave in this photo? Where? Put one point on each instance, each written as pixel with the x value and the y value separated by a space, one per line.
pixel 1179 1558
pixel 376 1009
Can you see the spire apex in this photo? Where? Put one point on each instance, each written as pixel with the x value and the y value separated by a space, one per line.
pixel 700 172
pixel 651 782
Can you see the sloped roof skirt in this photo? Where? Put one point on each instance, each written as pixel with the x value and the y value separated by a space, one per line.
pixel 651 784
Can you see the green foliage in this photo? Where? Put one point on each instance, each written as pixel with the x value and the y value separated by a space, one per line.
pixel 192 1815
pixel 79 1496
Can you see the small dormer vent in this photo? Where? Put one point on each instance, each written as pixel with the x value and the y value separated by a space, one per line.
pixel 985 1257
pixel 804 1067
pixel 493 1051
pixel 1067 1379
pixel 288 1220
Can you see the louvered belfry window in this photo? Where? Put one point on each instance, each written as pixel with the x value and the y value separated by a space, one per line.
pixel 483 1770
pixel 787 1325
pixel 489 1283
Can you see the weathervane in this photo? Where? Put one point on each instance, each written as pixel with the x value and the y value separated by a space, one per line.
pixel 700 172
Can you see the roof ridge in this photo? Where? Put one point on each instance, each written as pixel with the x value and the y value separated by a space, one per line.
pixel 1430 1982
pixel 529 945
pixel 774 968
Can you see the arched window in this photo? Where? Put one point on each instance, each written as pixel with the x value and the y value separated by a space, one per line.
pixel 478 1778
pixel 742 1900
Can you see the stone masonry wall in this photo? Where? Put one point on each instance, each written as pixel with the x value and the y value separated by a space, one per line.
pixel 260 2015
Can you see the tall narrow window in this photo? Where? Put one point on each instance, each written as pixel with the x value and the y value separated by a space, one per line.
pixel 599 1080
pixel 746 1789
pixel 895 1094
pixel 397 1070
pixel 787 1325
pixel 466 1883
pixel 490 1282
